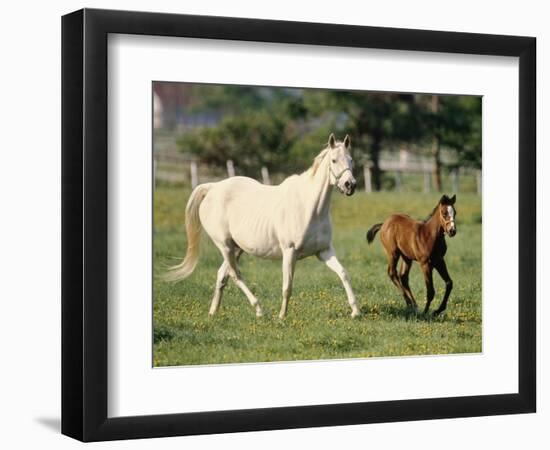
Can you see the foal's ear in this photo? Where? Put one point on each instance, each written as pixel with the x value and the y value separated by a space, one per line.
pixel 347 141
pixel 447 200
pixel 331 140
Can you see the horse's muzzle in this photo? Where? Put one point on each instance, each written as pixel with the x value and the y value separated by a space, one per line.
pixel 350 187
pixel 452 232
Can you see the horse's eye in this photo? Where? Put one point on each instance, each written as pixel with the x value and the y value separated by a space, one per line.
pixel 334 161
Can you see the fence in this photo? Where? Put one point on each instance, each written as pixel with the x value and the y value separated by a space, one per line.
pixel 424 168
pixel 177 168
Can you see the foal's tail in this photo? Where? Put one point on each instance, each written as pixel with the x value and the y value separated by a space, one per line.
pixel 193 227
pixel 372 232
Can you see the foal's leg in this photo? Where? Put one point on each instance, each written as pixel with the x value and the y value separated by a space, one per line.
pixel 393 259
pixel 221 281
pixel 430 291
pixel 289 263
pixel 441 268
pixel 406 264
pixel 233 271
pixel 329 258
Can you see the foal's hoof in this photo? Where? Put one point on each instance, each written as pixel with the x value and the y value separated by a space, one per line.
pixel 259 313
pixel 355 313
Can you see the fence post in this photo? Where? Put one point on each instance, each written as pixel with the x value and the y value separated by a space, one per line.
pixel 368 178
pixel 427 182
pixel 194 175
pixel 454 176
pixel 398 180
pixel 478 181
pixel 265 175
pixel 230 168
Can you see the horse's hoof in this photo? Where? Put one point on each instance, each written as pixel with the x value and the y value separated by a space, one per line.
pixel 355 314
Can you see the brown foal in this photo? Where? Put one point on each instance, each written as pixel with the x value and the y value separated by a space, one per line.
pixel 422 241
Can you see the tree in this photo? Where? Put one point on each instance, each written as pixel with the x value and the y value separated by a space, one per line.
pixel 436 145
pixel 252 140
pixel 450 123
pixel 284 129
pixel 372 119
pixel 461 127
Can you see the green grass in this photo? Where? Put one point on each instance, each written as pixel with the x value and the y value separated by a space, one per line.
pixel 318 324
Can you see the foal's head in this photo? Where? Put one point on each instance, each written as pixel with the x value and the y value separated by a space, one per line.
pixel 341 165
pixel 447 213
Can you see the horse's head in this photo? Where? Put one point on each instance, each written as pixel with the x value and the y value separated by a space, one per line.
pixel 447 214
pixel 341 165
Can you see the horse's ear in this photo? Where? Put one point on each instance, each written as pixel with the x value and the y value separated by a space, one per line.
pixel 444 200
pixel 347 141
pixel 331 140
pixel 452 200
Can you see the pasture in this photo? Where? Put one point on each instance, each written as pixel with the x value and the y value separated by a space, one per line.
pixel 318 324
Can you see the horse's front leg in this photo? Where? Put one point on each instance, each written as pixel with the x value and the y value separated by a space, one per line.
pixel 329 258
pixel 289 262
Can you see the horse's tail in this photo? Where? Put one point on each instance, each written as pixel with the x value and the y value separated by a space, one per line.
pixel 193 227
pixel 372 232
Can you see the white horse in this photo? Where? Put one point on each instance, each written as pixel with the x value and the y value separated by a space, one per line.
pixel 290 221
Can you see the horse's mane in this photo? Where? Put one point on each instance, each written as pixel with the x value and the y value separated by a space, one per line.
pixel 317 161
pixel 311 170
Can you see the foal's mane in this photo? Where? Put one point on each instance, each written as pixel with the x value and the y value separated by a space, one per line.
pixel 444 201
pixel 431 214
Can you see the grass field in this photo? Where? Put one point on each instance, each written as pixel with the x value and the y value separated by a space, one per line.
pixel 318 324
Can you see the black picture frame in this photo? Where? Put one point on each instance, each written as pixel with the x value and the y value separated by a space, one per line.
pixel 84 224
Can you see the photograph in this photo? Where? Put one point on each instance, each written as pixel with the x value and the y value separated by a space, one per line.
pixel 275 225
pixel 300 224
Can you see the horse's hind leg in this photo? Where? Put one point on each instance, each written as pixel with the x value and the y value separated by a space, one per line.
pixel 441 268
pixel 406 264
pixel 221 281
pixel 233 271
